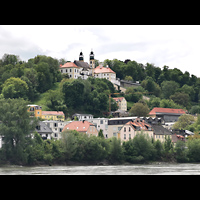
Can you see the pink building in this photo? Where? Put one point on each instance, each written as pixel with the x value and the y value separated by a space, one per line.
pixel 131 128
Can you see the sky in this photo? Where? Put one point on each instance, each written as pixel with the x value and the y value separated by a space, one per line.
pixel 177 46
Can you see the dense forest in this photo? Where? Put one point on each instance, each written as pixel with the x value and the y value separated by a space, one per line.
pixel 166 87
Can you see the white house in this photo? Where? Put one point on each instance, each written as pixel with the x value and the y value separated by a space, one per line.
pixel 82 117
pixel 56 127
pixel 100 123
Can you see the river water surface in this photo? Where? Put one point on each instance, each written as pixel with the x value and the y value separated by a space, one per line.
pixel 151 169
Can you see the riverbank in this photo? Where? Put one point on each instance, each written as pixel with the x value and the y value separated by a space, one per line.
pixel 136 169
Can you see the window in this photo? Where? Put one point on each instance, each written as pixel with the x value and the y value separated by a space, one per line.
pixel 101 122
pixel 129 129
pixel 70 70
pixel 129 136
pixel 124 129
pixel 75 70
pixel 124 136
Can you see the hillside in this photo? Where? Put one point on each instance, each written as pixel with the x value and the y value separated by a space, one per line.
pixel 40 82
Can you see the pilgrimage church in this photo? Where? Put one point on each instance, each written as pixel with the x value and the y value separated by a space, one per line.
pixel 80 68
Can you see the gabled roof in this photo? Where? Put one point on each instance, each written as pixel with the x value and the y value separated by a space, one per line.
pixel 138 123
pixel 80 126
pixel 43 128
pixel 118 98
pixel 166 110
pixel 102 69
pixel 52 113
pixel 69 65
pixel 82 64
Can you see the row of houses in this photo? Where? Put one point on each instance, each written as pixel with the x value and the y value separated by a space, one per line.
pixel 37 112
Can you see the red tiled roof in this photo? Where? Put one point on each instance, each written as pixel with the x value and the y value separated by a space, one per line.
pixel 166 110
pixel 52 113
pixel 98 70
pixel 69 65
pixel 82 126
pixel 118 98
pixel 142 124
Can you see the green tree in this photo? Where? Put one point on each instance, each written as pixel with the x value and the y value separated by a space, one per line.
pixel 183 122
pixel 69 142
pixel 169 103
pixel 181 152
pixel 140 149
pixel 194 150
pixel 15 88
pixel 128 78
pixel 140 110
pixel 15 127
pixel 45 78
pixel 116 153
pixel 181 99
pixel 10 59
pixel 168 149
pixel 73 93
pixel 195 110
pixel 169 88
pixel 159 149
pixel 100 133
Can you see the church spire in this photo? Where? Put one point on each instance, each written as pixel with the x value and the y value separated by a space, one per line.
pixel 81 57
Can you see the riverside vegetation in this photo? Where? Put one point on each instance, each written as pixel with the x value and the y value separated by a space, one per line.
pixel 22 147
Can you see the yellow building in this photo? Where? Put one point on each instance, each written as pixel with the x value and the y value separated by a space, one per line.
pixel 70 68
pixel 53 115
pixel 121 102
pixel 35 110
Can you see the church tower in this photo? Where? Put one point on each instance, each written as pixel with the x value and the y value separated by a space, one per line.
pixel 92 62
pixel 81 57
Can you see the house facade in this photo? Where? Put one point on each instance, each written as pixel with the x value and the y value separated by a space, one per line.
pixel 100 123
pixel 35 110
pixel 121 102
pixel 56 127
pixel 53 115
pixel 82 117
pixel 82 127
pixel 131 128
pixel 71 69
pixel 104 72
pixel 115 125
pixel 44 131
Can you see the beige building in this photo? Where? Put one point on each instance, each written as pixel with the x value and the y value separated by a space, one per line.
pixel 104 72
pixel 131 128
pixel 121 102
pixel 115 125
pixel 70 68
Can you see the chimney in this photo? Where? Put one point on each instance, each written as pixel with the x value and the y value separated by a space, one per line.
pixel 83 121
pixel 106 66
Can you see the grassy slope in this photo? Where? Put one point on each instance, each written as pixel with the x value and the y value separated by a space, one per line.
pixel 41 99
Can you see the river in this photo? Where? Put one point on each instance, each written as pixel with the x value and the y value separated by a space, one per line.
pixel 151 169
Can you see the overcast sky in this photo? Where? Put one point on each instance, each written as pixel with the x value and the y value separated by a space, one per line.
pixel 174 46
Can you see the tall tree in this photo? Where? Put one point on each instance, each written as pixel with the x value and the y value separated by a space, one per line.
pixel 15 88
pixel 15 128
